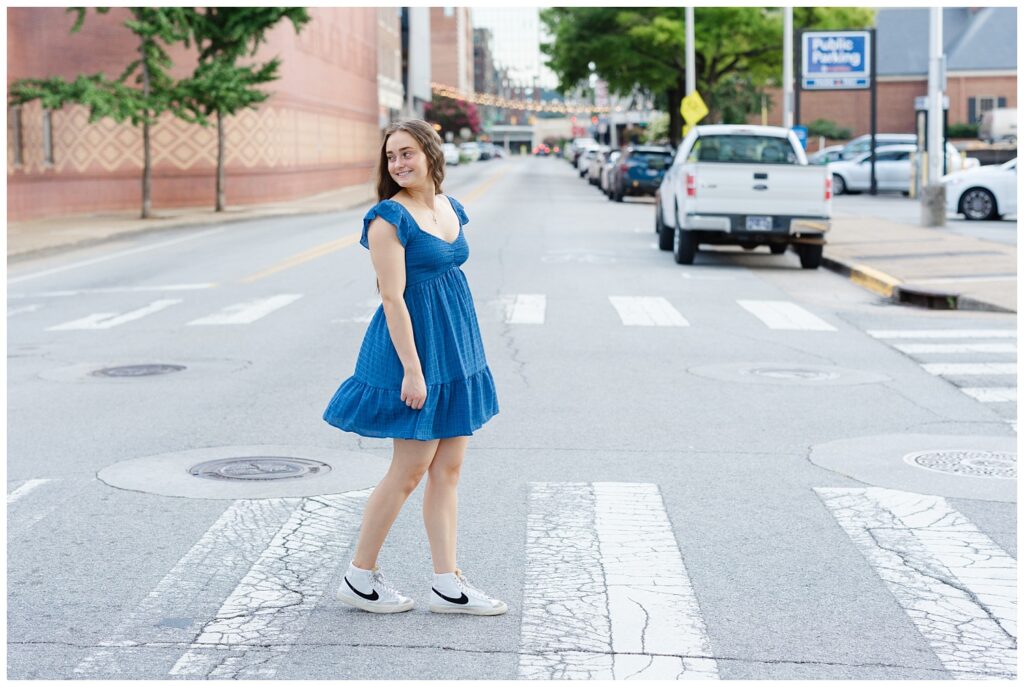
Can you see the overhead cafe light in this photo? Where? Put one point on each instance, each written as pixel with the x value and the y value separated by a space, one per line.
pixel 489 99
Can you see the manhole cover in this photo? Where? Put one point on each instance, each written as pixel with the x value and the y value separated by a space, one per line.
pixel 259 468
pixel 997 464
pixel 792 373
pixel 137 370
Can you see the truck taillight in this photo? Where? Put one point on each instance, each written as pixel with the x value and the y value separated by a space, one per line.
pixel 828 188
pixel 691 185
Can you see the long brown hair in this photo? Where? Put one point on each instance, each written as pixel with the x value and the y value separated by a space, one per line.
pixel 431 144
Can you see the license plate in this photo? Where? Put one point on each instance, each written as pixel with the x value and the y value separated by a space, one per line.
pixel 759 223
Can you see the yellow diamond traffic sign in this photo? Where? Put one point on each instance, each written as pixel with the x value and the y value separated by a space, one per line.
pixel 693 108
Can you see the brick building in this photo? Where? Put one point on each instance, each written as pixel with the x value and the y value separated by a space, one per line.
pixel 451 47
pixel 318 131
pixel 981 57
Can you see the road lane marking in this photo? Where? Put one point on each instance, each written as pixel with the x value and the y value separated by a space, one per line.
pixel 113 289
pixel 943 333
pixel 951 369
pixel 25 488
pixel 647 311
pixel 263 617
pixel 601 602
pixel 954 583
pixel 524 308
pixel 957 348
pixel 249 311
pixel 11 312
pixel 112 256
pixel 785 315
pixel 104 320
pixel 992 394
pixel 482 188
pixel 305 256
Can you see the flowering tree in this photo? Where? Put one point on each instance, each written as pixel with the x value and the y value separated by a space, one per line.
pixel 452 115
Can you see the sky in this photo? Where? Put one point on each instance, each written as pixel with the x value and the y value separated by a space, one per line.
pixel 516 42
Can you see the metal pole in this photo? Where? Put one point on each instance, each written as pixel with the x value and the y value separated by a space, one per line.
pixel 787 67
pixel 799 67
pixel 691 62
pixel 934 96
pixel 873 52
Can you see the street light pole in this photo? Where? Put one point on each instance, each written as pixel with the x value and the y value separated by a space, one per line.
pixel 933 196
pixel 787 67
pixel 691 65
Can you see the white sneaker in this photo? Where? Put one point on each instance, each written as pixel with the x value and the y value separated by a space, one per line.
pixel 368 590
pixel 452 593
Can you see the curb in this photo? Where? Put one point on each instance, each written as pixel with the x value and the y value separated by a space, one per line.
pixel 895 291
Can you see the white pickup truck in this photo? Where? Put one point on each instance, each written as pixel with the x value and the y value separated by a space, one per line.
pixel 743 185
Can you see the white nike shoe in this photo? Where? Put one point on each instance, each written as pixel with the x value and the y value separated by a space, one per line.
pixel 452 593
pixel 368 590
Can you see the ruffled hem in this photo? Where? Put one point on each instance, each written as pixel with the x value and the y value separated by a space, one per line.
pixel 456 408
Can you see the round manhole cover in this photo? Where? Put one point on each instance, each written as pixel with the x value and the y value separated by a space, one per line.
pixel 137 370
pixel 259 468
pixel 997 464
pixel 792 373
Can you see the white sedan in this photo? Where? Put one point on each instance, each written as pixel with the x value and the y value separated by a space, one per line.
pixel 893 169
pixel 983 193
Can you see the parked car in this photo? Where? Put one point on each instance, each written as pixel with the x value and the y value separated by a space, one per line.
pixel 486 150
pixel 594 167
pixel 984 193
pixel 499 152
pixel 743 185
pixel 825 156
pixel 470 150
pixel 862 144
pixel 583 162
pixel 639 171
pixel 893 169
pixel 451 154
pixel 999 125
pixel 576 148
pixel 606 170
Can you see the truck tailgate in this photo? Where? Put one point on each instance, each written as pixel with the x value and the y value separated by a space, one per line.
pixel 753 189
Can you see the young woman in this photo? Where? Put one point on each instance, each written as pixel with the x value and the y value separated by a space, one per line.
pixel 421 377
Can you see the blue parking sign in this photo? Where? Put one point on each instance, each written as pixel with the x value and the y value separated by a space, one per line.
pixel 835 60
pixel 801 134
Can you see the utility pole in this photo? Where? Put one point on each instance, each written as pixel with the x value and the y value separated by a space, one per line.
pixel 787 67
pixel 691 63
pixel 933 196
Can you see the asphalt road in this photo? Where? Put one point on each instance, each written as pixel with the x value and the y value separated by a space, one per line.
pixel 736 469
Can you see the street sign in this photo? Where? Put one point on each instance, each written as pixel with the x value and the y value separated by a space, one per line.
pixel 921 103
pixel 801 134
pixel 693 108
pixel 832 60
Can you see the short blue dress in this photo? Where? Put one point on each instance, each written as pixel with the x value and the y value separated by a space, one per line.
pixel 460 389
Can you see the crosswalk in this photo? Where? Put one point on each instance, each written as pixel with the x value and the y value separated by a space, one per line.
pixel 991 379
pixel 606 593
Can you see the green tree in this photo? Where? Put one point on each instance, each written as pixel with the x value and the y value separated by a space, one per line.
pixel 738 50
pixel 155 92
pixel 220 86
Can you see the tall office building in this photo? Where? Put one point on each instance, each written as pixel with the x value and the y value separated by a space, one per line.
pixel 451 47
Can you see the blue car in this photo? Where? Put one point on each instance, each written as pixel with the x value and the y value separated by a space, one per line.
pixel 639 171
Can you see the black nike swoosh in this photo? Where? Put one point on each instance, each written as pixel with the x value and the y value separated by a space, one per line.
pixel 462 600
pixel 368 597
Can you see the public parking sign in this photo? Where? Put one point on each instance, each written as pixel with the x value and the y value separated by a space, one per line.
pixel 835 60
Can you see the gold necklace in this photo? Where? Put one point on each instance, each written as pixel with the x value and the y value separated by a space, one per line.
pixel 433 213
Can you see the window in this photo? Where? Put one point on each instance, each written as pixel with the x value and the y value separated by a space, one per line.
pixel 17 141
pixel 743 148
pixel 449 11
pixel 47 137
pixel 978 105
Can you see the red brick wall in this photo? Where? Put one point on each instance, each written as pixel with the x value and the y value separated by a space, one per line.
pixel 318 131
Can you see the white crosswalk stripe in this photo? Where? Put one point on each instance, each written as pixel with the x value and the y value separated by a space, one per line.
pixel 785 315
pixel 11 312
pixel 600 602
pixel 249 311
pixel 646 311
pixel 957 348
pixel 25 488
pixel 524 308
pixel 943 333
pixel 952 369
pixel 954 583
pixel 108 320
pixel 992 394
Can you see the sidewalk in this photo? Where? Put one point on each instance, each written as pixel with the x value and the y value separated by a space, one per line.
pixel 933 268
pixel 34 238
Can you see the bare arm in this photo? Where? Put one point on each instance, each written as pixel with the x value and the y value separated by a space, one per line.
pixel 388 257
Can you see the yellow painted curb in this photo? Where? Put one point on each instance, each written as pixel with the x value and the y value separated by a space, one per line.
pixel 874 280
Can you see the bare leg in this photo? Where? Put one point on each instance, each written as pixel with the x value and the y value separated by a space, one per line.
pixel 440 502
pixel 410 461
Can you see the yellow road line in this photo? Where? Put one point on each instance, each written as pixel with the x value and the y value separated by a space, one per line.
pixel 312 253
pixel 482 188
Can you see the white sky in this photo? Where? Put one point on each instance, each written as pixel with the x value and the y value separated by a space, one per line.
pixel 516 42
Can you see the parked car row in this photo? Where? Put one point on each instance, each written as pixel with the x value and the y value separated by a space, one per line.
pixel 634 170
pixel 471 151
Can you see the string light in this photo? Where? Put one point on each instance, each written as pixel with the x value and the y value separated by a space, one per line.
pixel 491 100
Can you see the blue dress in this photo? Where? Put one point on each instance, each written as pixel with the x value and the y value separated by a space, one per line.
pixel 460 389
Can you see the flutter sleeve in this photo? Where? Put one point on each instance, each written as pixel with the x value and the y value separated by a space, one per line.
pixel 390 212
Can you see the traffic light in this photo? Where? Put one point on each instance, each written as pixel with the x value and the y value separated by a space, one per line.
pixel 593 120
